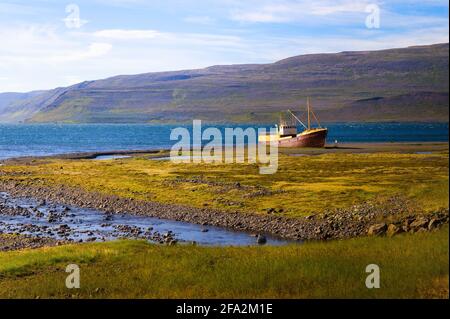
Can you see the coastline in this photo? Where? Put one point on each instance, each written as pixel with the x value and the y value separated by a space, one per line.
pixel 345 147
pixel 394 232
pixel 354 221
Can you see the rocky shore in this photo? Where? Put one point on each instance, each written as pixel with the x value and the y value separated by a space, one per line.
pixel 389 218
pixel 10 242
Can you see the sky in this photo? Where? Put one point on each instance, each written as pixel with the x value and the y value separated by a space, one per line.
pixel 47 43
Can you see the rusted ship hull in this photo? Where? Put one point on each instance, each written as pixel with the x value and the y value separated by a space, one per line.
pixel 310 139
pixel 287 133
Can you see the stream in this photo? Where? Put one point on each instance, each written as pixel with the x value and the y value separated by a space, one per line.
pixel 40 219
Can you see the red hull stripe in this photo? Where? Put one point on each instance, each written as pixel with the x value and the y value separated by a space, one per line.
pixel 314 139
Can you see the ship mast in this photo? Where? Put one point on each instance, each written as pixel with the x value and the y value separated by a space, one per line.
pixel 297 118
pixel 310 111
pixel 309 119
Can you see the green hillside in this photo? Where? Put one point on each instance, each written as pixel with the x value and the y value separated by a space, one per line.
pixel 409 84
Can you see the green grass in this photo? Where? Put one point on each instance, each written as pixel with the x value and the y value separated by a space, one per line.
pixel 302 185
pixel 412 266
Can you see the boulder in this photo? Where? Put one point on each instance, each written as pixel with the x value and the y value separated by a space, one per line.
pixel 393 230
pixel 432 224
pixel 377 229
pixel 419 222
pixel 261 239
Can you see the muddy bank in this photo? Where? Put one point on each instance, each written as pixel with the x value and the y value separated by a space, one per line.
pixel 352 148
pixel 344 223
pixel 82 155
pixel 358 148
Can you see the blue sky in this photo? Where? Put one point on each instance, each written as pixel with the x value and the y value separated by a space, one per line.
pixel 42 46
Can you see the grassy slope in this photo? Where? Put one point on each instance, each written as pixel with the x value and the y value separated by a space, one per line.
pixel 302 184
pixel 248 93
pixel 412 266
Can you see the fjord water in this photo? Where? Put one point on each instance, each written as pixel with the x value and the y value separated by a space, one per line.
pixel 49 139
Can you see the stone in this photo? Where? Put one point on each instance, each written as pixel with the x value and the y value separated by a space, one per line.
pixel 392 230
pixel 377 229
pixel 419 222
pixel 261 239
pixel 432 224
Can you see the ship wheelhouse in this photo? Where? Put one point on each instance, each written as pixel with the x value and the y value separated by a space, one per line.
pixel 287 130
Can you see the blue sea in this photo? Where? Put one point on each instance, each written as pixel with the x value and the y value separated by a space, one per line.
pixel 49 139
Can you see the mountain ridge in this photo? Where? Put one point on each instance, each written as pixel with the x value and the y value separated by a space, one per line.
pixel 411 84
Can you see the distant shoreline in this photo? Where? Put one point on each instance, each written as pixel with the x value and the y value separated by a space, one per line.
pixel 366 147
pixel 209 122
pixel 53 139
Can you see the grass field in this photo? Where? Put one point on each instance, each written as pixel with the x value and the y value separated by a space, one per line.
pixel 301 186
pixel 411 266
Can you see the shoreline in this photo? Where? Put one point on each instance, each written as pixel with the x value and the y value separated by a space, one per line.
pixel 354 221
pixel 344 147
pixel 10 242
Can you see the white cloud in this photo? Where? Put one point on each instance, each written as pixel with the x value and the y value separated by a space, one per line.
pixel 166 38
pixel 122 3
pixel 334 7
pixel 205 20
pixel 43 44
pixel 119 34
pixel 42 57
pixel 266 14
pixel 20 9
pixel 363 41
pixel 94 50
pixel 289 11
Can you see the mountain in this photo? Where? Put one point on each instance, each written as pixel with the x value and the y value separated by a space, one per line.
pixel 13 105
pixel 407 84
pixel 418 106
